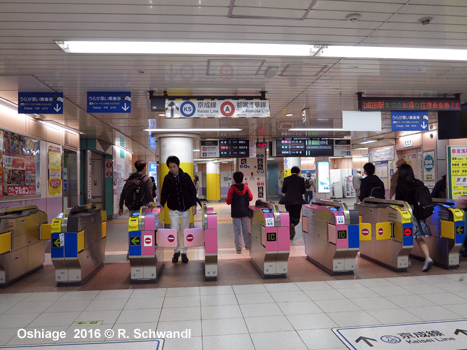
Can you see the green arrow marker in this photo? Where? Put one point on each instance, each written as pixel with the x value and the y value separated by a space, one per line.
pixel 56 242
pixel 134 240
pixel 460 230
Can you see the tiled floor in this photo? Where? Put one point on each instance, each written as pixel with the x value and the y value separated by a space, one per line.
pixel 239 311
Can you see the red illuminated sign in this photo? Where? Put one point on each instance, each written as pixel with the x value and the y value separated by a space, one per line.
pixel 409 104
pixel 407 232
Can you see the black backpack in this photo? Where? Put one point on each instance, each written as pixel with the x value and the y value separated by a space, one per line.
pixel 377 192
pixel 307 184
pixel 424 206
pixel 133 191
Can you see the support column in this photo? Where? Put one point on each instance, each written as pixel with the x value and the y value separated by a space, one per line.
pixel 213 181
pixel 180 146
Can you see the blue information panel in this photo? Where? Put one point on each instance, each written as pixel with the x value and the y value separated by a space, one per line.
pixel 409 121
pixel 109 102
pixel 40 102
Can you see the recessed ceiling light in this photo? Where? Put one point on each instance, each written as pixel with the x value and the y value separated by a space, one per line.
pixel 161 114
pixel 289 115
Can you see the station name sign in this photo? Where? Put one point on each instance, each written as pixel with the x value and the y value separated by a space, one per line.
pixel 409 104
pixel 217 109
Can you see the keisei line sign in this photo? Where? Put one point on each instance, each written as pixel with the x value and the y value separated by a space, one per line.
pixel 217 109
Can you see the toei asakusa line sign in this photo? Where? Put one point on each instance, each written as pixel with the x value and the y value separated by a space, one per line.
pixel 217 109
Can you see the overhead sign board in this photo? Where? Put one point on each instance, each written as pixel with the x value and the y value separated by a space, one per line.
pixel 342 148
pixel 109 102
pixel 217 109
pixel 209 149
pixel 381 154
pixel 409 104
pixel 40 102
pixel 409 121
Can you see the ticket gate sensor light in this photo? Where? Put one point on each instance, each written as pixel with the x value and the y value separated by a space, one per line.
pixel 448 228
pixel 331 236
pixel 270 240
pixel 78 240
pixel 386 232
pixel 22 251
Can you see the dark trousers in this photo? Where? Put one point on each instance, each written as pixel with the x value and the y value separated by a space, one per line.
pixel 308 196
pixel 294 212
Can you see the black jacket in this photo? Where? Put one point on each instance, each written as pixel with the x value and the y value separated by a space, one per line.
pixel 404 191
pixel 293 187
pixel 239 196
pixel 368 184
pixel 185 188
pixel 146 187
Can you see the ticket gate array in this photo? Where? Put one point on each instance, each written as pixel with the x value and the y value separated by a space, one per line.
pixel 78 239
pixel 448 228
pixel 22 251
pixel 386 232
pixel 331 235
pixel 270 239
pixel 147 237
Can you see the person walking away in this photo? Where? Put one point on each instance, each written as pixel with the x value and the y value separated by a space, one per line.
pixel 196 182
pixel 439 191
pixel 239 196
pixel 179 192
pixel 371 185
pixel 413 191
pixel 356 181
pixel 293 189
pixel 392 188
pixel 154 189
pixel 309 188
pixel 137 190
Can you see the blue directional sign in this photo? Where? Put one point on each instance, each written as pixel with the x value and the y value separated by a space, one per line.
pixel 109 102
pixel 40 102
pixel 409 121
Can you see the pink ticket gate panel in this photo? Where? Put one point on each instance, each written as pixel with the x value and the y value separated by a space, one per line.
pixel 330 233
pixel 166 238
pixel 270 240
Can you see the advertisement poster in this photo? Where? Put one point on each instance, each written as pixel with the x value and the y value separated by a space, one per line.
pixel 18 169
pixel 457 168
pixel 428 166
pixel 324 178
pixel 55 170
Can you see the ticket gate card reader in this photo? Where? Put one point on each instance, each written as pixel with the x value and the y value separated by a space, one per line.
pixel 206 237
pixel 22 251
pixel 331 236
pixel 448 228
pixel 270 240
pixel 78 239
pixel 386 232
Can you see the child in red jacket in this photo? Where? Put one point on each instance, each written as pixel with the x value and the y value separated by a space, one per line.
pixel 239 196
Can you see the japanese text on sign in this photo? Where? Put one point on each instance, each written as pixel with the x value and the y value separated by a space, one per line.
pixel 217 109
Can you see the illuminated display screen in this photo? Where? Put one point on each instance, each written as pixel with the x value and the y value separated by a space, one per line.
pixel 261 144
pixel 324 178
pixel 304 147
pixel 234 148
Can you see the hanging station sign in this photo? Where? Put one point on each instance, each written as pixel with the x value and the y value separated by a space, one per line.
pixel 409 104
pixel 217 109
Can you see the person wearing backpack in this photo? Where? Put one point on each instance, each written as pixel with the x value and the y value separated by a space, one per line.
pixel 239 196
pixel 179 192
pixel 137 190
pixel 415 193
pixel 309 187
pixel 371 185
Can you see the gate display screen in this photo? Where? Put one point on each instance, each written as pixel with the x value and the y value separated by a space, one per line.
pixel 304 147
pixel 234 148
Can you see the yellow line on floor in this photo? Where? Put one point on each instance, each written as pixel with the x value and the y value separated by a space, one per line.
pixel 126 223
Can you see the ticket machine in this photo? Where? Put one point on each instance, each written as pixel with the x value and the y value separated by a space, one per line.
pixel 22 251
pixel 386 232
pixel 448 227
pixel 331 235
pixel 78 240
pixel 270 239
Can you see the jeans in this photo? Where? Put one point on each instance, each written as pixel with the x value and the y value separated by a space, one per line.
pixel 243 222
pixel 176 216
pixel 308 196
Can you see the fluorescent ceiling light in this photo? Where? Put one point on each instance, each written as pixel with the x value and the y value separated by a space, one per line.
pixel 59 127
pixel 289 115
pixel 193 130
pixel 203 160
pixel 196 150
pixel 368 141
pixel 316 129
pixel 253 49
pixel 360 148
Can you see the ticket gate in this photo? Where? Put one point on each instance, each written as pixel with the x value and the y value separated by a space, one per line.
pixel 206 237
pixel 78 241
pixel 386 232
pixel 331 235
pixel 270 239
pixel 448 227
pixel 22 251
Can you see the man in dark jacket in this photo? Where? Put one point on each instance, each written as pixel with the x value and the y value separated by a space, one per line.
pixel 294 188
pixel 145 195
pixel 239 196
pixel 371 185
pixel 179 192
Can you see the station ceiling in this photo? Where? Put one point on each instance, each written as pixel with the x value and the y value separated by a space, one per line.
pixel 30 60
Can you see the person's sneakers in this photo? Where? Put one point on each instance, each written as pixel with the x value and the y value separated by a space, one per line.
pixel 247 247
pixel 184 258
pixel 239 251
pixel 175 258
pixel 427 265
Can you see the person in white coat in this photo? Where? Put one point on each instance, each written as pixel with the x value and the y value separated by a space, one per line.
pixel 356 181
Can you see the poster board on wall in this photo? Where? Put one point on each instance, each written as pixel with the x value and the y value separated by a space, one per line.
pixel 429 168
pixel 55 170
pixel 457 171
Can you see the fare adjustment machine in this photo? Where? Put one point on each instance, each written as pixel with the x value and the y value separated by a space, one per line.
pixel 270 240
pixel 386 232
pixel 78 240
pixel 330 232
